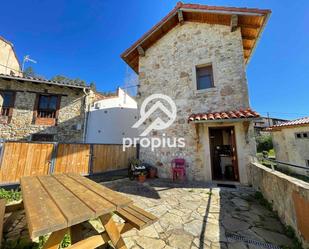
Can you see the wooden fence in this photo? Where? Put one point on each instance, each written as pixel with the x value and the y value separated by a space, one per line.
pixel 19 159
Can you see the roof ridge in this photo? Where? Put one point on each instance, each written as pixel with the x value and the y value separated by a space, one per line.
pixel 46 81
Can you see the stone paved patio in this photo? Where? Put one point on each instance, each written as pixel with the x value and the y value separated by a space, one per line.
pixel 191 215
pixel 197 215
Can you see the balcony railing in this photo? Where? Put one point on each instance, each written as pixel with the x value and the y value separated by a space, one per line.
pixel 46 114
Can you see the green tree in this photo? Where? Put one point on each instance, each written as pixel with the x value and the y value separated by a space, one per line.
pixel 62 78
pixel 93 86
pixel 29 72
pixel 264 142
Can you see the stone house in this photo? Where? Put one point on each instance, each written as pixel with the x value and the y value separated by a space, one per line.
pixel 291 143
pixel 197 55
pixel 9 63
pixel 42 110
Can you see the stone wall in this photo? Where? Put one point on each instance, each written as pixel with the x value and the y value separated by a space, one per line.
pixel 289 196
pixel 21 127
pixel 290 149
pixel 168 67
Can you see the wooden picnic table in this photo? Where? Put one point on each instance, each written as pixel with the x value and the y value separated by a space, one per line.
pixel 58 204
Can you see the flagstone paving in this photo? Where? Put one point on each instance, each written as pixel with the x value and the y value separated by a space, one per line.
pixel 198 215
pixel 191 216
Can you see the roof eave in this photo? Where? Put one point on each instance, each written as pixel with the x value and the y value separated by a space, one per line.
pixel 259 36
pixel 253 12
pixel 227 120
pixel 42 82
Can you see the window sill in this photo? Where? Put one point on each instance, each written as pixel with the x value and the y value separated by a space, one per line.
pixel 45 121
pixel 207 90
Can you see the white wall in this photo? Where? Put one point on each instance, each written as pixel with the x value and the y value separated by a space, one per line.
pixel 112 119
pixel 8 59
pixel 292 150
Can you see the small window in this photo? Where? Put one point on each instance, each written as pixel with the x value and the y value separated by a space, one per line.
pixel 298 135
pixel 8 99
pixel 305 135
pixel 204 77
pixel 42 137
pixel 47 106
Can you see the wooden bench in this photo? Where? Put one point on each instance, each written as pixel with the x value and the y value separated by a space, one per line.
pixel 4 209
pixel 136 216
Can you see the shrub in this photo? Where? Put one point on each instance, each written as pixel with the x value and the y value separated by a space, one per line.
pixel 10 195
pixel 264 143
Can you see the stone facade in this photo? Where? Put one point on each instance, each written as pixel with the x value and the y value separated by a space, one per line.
pixel 8 60
pixel 169 67
pixel 70 125
pixel 291 149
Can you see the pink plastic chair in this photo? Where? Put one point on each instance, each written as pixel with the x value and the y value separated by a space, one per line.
pixel 178 168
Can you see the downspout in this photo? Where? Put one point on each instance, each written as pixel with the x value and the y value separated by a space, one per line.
pixel 87 109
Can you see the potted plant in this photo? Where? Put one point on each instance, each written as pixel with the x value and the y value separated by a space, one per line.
pixel 153 172
pixel 142 177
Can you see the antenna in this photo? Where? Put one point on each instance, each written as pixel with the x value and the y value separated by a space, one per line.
pixel 26 59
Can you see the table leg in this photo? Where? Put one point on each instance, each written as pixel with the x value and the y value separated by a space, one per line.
pixel 55 239
pixel 112 231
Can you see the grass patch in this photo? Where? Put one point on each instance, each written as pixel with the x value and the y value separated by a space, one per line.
pixel 10 195
pixel 271 153
pixel 260 198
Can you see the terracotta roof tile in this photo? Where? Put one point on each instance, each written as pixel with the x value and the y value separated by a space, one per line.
pixel 237 114
pixel 290 124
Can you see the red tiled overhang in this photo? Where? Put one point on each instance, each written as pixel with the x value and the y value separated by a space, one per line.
pixel 290 124
pixel 240 114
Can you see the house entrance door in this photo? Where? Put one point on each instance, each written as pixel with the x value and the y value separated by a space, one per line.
pixel 223 153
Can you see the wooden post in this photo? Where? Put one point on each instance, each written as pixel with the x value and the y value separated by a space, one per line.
pixel 140 51
pixel 55 239
pixel 53 158
pixel 91 160
pixel 180 17
pixel 112 231
pixel 234 22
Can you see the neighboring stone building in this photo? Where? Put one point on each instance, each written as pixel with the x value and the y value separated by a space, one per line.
pixel 110 118
pixel 42 110
pixel 9 63
pixel 291 143
pixel 197 55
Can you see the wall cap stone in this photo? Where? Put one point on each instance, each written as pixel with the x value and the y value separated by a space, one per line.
pixel 291 179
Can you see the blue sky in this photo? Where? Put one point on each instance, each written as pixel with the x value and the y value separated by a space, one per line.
pixel 84 39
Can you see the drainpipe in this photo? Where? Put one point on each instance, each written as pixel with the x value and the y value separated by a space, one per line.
pixel 87 109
